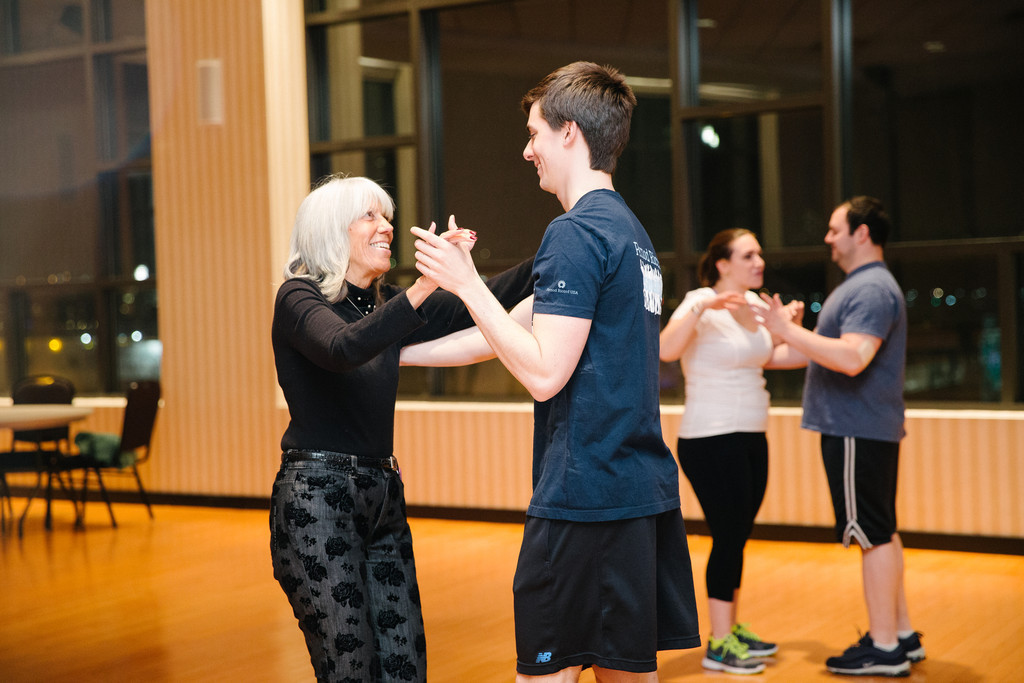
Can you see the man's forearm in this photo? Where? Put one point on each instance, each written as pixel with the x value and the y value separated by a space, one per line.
pixel 843 355
pixel 516 348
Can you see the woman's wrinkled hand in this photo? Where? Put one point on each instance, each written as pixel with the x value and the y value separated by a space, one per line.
pixel 463 237
pixel 446 261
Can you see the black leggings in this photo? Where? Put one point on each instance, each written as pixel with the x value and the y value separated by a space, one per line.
pixel 729 474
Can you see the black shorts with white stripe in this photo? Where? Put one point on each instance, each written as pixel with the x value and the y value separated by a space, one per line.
pixel 862 478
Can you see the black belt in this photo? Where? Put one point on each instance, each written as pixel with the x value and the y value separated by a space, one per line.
pixel 332 458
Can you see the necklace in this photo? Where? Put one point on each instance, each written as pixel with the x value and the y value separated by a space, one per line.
pixel 365 297
pixel 361 311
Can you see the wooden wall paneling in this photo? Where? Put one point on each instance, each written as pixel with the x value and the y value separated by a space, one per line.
pixel 216 201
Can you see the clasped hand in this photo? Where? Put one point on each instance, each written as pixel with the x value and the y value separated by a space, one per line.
pixel 777 315
pixel 444 259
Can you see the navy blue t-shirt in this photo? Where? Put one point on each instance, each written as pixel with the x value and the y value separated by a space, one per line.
pixel 598 452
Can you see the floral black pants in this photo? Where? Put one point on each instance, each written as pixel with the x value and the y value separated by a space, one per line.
pixel 342 552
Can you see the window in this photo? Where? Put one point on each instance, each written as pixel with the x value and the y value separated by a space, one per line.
pixel 936 93
pixel 757 115
pixel 76 215
pixel 490 56
pixel 361 110
pixel 759 172
pixel 754 51
pixel 953 339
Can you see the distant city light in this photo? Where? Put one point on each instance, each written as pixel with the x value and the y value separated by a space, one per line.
pixel 709 136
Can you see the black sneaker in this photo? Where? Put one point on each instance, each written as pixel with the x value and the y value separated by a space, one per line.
pixel 864 659
pixel 730 655
pixel 913 647
pixel 755 646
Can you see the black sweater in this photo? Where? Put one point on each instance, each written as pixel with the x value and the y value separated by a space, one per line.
pixel 339 369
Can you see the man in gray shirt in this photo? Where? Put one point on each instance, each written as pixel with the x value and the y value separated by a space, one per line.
pixel 853 396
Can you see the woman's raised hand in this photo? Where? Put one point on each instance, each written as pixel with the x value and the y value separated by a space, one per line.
pixel 446 260
pixel 461 236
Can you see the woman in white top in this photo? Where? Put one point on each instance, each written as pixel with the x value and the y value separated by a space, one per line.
pixel 722 446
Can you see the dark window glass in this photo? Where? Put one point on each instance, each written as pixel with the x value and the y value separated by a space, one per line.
pixel 127 248
pixel 6 357
pixel 328 5
pixel 61 337
pixel 122 107
pixel 650 147
pixel 953 341
pixel 138 345
pixel 491 55
pixel 360 80
pixel 33 25
pixel 76 199
pixel 938 91
pixel 937 95
pixel 756 51
pixel 48 198
pixel 760 172
pixel 118 20
pixel 360 94
pixel 1018 287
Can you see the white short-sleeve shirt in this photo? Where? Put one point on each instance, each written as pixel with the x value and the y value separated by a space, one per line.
pixel 723 368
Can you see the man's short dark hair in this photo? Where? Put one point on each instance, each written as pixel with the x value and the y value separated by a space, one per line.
pixel 864 210
pixel 597 98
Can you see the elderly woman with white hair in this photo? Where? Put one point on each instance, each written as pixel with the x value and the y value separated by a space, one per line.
pixel 340 542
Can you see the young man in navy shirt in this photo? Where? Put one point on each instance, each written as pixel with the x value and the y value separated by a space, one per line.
pixel 604 577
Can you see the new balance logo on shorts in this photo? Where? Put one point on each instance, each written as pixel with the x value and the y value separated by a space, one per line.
pixel 543 657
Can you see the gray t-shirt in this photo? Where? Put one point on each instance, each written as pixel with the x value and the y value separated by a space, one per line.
pixel 869 405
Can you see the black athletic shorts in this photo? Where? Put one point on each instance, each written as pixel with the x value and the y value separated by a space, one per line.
pixel 608 594
pixel 862 478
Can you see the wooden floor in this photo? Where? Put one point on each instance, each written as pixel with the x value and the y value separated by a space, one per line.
pixel 190 597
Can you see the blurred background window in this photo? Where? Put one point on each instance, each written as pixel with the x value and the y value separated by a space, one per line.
pixel 760 115
pixel 756 115
pixel 77 268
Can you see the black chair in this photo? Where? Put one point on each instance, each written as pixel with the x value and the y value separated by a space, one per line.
pixel 38 460
pixel 99 453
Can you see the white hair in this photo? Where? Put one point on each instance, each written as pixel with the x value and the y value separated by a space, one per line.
pixel 320 245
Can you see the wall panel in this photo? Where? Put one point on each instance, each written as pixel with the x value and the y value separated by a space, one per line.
pixel 960 471
pixel 219 202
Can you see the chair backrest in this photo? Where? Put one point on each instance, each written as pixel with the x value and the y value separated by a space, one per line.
pixel 140 415
pixel 42 389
